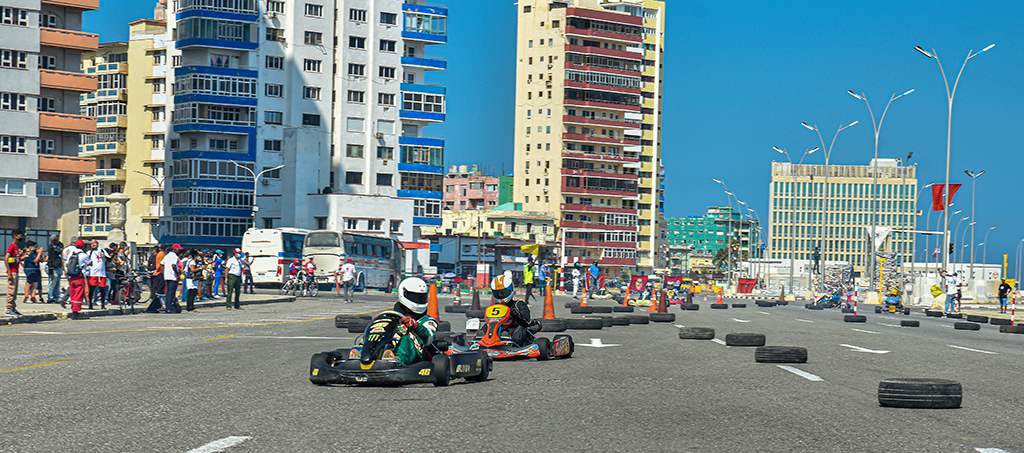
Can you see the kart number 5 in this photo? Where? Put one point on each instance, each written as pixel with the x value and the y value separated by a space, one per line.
pixel 496 311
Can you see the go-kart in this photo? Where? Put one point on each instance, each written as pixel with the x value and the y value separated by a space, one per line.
pixel 893 305
pixel 372 360
pixel 831 301
pixel 494 339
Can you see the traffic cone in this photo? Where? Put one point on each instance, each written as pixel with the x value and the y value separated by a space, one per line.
pixel 719 300
pixel 432 302
pixel 653 307
pixel 583 300
pixel 476 299
pixel 549 304
pixel 705 298
pixel 782 294
pixel 663 303
pixel 629 295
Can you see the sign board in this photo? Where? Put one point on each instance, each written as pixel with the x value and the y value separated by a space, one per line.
pixel 483 275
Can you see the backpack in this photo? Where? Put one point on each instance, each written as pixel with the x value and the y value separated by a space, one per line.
pixel 74 267
pixel 151 262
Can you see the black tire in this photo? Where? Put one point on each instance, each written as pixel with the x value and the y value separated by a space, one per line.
pixel 602 309
pixel 719 306
pixel 955 316
pixel 744 339
pixel 622 309
pixel 663 317
pixel 544 345
pixel 584 323
pixel 456 308
pixel 739 305
pixel 581 310
pixel 358 325
pixel 906 311
pixel 314 289
pixel 813 307
pixel 689 307
pixel 917 393
pixel 933 313
pixel 474 313
pixel 442 370
pixel 122 299
pixel 847 310
pixel 782 302
pixel 761 303
pixel 1011 329
pixel 878 309
pixel 552 325
pixel 999 321
pixel 696 333
pixel 444 326
pixel 571 304
pixel 977 318
pixel 341 321
pixel 606 321
pixel 391 286
pixel 486 361
pixel 855 318
pixel 620 320
pixel 639 319
pixel 966 326
pixel 780 354
pixel 909 323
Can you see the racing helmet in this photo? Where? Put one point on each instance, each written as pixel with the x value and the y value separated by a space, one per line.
pixel 412 294
pixel 502 288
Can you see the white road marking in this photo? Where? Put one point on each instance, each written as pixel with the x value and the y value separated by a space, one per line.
pixel 972 349
pixel 764 313
pixel 804 320
pixel 865 331
pixel 679 325
pixel 801 373
pixel 596 343
pixel 739 320
pixel 888 325
pixel 860 349
pixel 719 341
pixel 220 444
pixel 990 450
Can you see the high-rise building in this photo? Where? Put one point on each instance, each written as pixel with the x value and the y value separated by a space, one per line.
pixel 710 232
pixel 466 187
pixel 800 229
pixel 588 125
pixel 40 122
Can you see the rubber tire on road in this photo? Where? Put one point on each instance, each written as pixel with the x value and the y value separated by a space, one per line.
pixel 552 325
pixel 584 323
pixel 663 317
pixel 955 316
pixel 606 321
pixel 622 309
pixel 358 325
pixel 739 305
pixel 602 309
pixel 999 321
pixel 341 321
pixel 1011 329
pixel 639 319
pixel 916 393
pixel 855 318
pixel 909 323
pixel 813 307
pixel 572 304
pixel 966 326
pixel 696 333
pixel 847 310
pixel 544 346
pixel 933 313
pixel 581 310
pixel 780 354
pixel 442 370
pixel 977 318
pixel 764 304
pixel 721 306
pixel 620 320
pixel 782 302
pixel 444 326
pixel 878 309
pixel 744 339
pixel 474 313
pixel 693 307
pixel 456 308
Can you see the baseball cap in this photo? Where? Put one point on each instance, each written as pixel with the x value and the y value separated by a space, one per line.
pixel 175 246
pixel 238 250
pixel 79 243
pixel 218 251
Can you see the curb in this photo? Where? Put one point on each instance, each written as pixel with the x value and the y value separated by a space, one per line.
pixel 139 308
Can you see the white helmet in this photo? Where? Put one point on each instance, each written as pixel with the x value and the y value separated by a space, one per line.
pixel 412 293
pixel 502 289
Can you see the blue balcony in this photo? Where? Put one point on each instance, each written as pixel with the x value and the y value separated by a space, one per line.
pixel 215 43
pixel 425 23
pixel 433 10
pixel 421 168
pixel 428 38
pixel 421 116
pixel 430 221
pixel 436 142
pixel 425 194
pixel 428 63
pixel 194 69
pixel 212 183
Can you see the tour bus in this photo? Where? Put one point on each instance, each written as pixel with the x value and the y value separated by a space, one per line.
pixel 272 251
pixel 378 259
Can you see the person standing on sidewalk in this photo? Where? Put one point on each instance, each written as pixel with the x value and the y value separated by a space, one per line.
pixel 247 286
pixel 528 277
pixel 156 278
pixel 75 261
pixel 348 278
pixel 11 261
pixel 952 284
pixel 97 275
pixel 192 270
pixel 576 275
pixel 208 277
pixel 233 269
pixel 30 259
pixel 218 272
pixel 54 269
pixel 546 277
pixel 592 278
pixel 169 268
pixel 1004 290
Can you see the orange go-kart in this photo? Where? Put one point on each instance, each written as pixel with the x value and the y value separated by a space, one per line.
pixel 493 338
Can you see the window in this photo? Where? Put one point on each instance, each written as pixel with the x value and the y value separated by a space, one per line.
pixel 353 150
pixel 313 10
pixel 554 24
pixel 423 102
pixel 12 187
pixel 385 152
pixel 309 65
pixel 384 179
pixel 310 119
pixel 47 189
pixel 386 126
pixel 356 69
pixel 14 16
pixel 426 208
pixel 270 117
pixel 273 62
pixel 272 174
pixel 176 61
pixel 386 98
pixel 272 145
pixel 357 15
pixel 45 146
pixel 356 96
pixel 356 42
pixel 321 223
pixel 313 38
pixel 275 34
pixel 351 224
pixel 527 9
pixel 45 62
pixel 353 177
pixel 275 6
pixel 387 45
pixel 12 144
pixel 13 101
pixel 16 59
pixel 386 72
pixel 48 21
pixel 274 90
pixel 46 104
pixel 373 225
pixel 311 93
pixel 389 18
pixel 396 226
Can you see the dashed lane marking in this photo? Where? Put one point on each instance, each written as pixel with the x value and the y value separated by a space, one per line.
pixel 972 349
pixel 860 349
pixel 739 320
pixel 36 365
pixel 866 331
pixel 220 444
pixel 990 450
pixel 801 373
pixel 719 341
pixel 764 313
pixel 804 320
pixel 888 325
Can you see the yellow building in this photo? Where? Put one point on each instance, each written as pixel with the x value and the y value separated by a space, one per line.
pixel 129 142
pixel 588 121
pixel 799 226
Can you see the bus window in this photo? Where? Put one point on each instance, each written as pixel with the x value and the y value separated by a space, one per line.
pixel 326 239
pixel 376 250
pixel 292 242
pixel 362 250
pixel 385 252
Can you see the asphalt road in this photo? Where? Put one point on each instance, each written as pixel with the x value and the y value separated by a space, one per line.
pixel 219 378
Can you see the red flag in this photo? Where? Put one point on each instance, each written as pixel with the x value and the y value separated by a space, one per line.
pixel 937 190
pixel 637 282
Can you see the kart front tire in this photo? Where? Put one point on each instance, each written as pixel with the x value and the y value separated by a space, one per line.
pixel 442 370
pixel 544 346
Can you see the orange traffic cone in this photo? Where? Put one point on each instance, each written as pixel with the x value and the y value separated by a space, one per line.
pixel 432 302
pixel 663 302
pixel 583 300
pixel 549 305
pixel 719 299
pixel 629 295
pixel 654 302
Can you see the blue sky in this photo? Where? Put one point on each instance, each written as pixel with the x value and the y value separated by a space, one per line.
pixel 741 76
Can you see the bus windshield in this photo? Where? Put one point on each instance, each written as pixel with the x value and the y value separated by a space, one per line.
pixel 324 239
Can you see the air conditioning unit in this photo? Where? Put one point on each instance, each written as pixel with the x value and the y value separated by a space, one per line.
pixel 548 84
pixel 265 182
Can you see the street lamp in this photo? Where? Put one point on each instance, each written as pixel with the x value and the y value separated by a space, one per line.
pixel 927 223
pixel 949 128
pixel 825 194
pixel 792 207
pixel 963 240
pixel 974 178
pixel 728 231
pixel 255 185
pixel 1017 266
pixel 955 230
pixel 984 249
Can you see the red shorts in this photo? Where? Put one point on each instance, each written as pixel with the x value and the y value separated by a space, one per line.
pixel 98 281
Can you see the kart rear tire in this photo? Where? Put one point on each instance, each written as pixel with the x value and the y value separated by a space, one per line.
pixel 584 323
pixel 606 321
pixel 739 305
pixel 602 309
pixel 744 339
pixel 966 326
pixel 915 393
pixel 552 325
pixel 444 326
pixel 721 306
pixel 1011 329
pixel 693 307
pixel 780 354
pixel 855 318
pixel 622 309
pixel 544 346
pixel 639 319
pixel 878 309
pixel 442 370
pixel 486 362
pixel 906 311
pixel 696 333
pixel 955 316
pixel 620 320
pixel 581 310
pixel 663 317
pixel 977 318
pixel 358 325
pixel 814 307
pixel 999 321
pixel 474 313
pixel 910 323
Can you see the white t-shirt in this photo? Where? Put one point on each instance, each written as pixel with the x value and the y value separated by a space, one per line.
pixel 952 284
pixel 170 263
pixel 575 273
pixel 97 263
pixel 348 272
pixel 189 283
pixel 233 267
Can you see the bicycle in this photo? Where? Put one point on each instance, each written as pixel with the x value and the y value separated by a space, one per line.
pixel 129 291
pixel 308 287
pixel 289 285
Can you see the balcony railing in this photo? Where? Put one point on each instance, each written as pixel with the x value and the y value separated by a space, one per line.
pixel 68 39
pixel 67 165
pixel 66 122
pixel 228 6
pixel 66 80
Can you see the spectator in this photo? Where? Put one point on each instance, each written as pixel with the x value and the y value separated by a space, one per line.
pixel 156 278
pixel 208 276
pixel 171 271
pixel 528 278
pixel 76 260
pixel 952 283
pixel 113 264
pixel 545 275
pixel 11 259
pixel 592 273
pixel 1004 290
pixel 218 271
pixel 247 285
pixel 97 275
pixel 576 275
pixel 192 270
pixel 348 278
pixel 233 268
pixel 30 259
pixel 54 270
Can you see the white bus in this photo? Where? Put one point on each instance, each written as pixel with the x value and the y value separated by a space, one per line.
pixel 272 251
pixel 378 259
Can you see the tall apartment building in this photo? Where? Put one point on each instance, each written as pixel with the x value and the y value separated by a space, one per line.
pixel 40 50
pixel 467 188
pixel 710 232
pixel 588 125
pixel 799 227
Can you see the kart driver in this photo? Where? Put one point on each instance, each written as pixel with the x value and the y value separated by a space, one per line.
pixel 417 329
pixel 503 291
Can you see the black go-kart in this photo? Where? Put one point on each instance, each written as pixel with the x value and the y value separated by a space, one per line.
pixel 372 360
